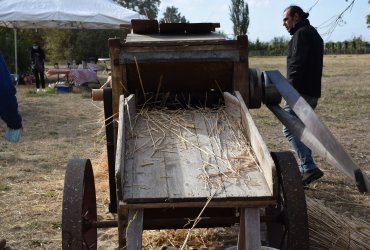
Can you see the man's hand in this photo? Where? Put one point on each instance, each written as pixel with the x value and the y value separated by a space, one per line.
pixel 12 135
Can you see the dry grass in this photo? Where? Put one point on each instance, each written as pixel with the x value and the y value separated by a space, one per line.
pixel 57 127
pixel 329 230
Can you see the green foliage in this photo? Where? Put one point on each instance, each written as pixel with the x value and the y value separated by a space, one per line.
pixel 356 46
pixel 368 19
pixel 148 8
pixel 4 188
pixel 277 46
pixel 67 45
pixel 61 46
pixel 172 15
pixel 25 39
pixel 239 15
pixel 39 243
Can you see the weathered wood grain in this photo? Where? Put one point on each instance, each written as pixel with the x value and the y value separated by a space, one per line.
pixel 189 156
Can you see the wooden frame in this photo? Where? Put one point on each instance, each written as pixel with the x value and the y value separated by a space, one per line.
pixel 235 53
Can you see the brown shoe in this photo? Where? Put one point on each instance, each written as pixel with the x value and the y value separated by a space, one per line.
pixel 311 176
pixel 2 243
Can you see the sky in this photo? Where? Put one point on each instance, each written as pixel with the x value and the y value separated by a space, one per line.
pixel 266 17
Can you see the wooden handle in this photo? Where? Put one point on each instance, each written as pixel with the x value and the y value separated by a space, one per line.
pixel 97 95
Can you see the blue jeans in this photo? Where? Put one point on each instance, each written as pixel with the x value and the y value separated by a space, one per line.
pixel 303 152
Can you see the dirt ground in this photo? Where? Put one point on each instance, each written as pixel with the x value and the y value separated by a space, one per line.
pixel 59 127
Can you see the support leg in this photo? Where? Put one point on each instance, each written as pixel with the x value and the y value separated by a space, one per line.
pixel 249 234
pixel 135 229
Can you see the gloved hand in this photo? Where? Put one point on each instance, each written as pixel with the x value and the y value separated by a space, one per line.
pixel 12 135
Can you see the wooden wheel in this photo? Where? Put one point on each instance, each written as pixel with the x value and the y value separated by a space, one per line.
pixel 79 207
pixel 288 224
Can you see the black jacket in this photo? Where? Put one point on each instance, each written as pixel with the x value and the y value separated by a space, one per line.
pixel 38 59
pixel 305 59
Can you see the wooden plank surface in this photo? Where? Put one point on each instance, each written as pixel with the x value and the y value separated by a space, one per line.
pixel 258 146
pixel 206 55
pixel 190 155
pixel 133 39
pixel 184 162
pixel 205 46
pixel 145 177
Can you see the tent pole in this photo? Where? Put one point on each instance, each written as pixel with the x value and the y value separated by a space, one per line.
pixel 15 52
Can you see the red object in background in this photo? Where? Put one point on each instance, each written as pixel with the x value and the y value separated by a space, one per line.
pixel 78 76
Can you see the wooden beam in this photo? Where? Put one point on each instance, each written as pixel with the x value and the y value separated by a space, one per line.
pixel 114 49
pixel 152 56
pixel 122 212
pixel 122 219
pixel 145 40
pixel 241 70
pixel 249 234
pixel 135 229
pixel 259 147
pixel 258 202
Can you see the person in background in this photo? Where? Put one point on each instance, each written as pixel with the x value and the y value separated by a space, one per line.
pixel 8 104
pixel 38 66
pixel 304 72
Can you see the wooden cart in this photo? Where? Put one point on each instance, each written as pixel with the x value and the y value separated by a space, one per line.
pixel 183 150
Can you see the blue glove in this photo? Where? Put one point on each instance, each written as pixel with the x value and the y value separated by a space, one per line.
pixel 12 135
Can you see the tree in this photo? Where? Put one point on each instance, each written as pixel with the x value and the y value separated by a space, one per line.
pixel 368 18
pixel 148 8
pixel 239 15
pixel 68 45
pixel 24 43
pixel 279 45
pixel 172 15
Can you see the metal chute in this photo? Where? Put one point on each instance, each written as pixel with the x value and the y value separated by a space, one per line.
pixel 311 130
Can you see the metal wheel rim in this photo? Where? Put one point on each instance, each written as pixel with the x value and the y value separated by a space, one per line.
pixel 255 88
pixel 79 207
pixel 290 229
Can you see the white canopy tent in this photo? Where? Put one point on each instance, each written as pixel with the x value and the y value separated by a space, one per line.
pixel 63 14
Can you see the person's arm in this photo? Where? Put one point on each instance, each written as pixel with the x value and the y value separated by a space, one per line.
pixel 8 104
pixel 10 113
pixel 300 53
pixel 32 60
pixel 42 52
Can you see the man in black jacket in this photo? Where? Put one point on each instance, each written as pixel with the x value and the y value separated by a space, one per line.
pixel 38 67
pixel 304 71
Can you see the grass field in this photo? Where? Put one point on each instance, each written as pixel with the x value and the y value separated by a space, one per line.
pixel 59 127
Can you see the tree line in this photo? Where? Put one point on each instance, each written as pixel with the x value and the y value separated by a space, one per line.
pixel 63 46
pixel 279 45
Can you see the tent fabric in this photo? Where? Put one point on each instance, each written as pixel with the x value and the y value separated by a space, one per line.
pixel 65 14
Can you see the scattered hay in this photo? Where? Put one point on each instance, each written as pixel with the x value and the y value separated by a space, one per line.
pixel 218 138
pixel 329 230
pixel 201 238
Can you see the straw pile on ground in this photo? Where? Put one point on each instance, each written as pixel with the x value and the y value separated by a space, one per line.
pixel 329 230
